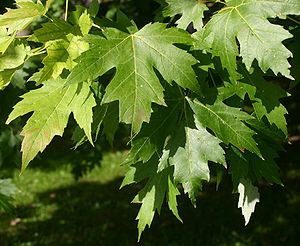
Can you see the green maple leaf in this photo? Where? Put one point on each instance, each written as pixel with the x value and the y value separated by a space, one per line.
pixel 5 77
pixel 151 197
pixel 85 23
pixel 51 106
pixel 158 186
pixel 81 107
pixel 244 165
pixel 135 55
pixel 265 169
pixel 10 61
pixel 5 39
pixel 122 23
pixel 59 29
pixel 20 18
pixel 227 123
pixel 99 112
pixel 152 137
pixel 14 56
pixel 172 193
pixel 139 171
pixel 191 11
pixel 56 29
pixel 247 22
pixel 105 118
pixel 265 98
pixel 194 147
pixel 61 54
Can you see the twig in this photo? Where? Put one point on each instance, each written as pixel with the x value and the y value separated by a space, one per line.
pixel 67 7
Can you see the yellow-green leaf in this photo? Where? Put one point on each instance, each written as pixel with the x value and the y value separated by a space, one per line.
pixel 51 106
pixel 20 18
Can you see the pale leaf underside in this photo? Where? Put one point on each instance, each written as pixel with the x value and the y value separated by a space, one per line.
pixel 248 198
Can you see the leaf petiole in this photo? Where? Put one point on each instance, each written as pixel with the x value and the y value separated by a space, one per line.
pixel 67 9
pixel 294 20
pixel 96 26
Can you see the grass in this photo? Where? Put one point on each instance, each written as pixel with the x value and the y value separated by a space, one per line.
pixel 52 208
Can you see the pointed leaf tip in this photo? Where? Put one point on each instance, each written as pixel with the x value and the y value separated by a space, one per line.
pixel 249 196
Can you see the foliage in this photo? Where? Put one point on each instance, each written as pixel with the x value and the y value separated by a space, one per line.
pixel 194 99
pixel 51 208
pixel 7 190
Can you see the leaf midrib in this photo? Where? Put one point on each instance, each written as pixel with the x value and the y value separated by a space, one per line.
pixel 50 116
pixel 165 57
pixel 229 126
pixel 99 59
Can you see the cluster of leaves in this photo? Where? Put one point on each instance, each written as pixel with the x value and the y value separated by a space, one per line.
pixel 192 98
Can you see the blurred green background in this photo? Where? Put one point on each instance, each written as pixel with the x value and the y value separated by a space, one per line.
pixel 69 197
